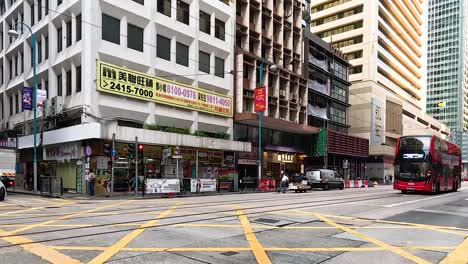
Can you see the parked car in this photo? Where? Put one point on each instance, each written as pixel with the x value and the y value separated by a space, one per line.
pixel 8 181
pixel 2 191
pixel 325 179
pixel 299 183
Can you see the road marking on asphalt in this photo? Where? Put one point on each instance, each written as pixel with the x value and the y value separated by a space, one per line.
pixel 222 249
pixel 382 244
pixel 38 249
pixel 57 225
pixel 66 217
pixel 123 242
pixel 257 248
pixel 33 208
pixel 441 212
pixel 457 256
pixel 420 200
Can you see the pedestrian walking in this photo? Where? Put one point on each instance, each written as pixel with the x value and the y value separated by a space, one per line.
pixel 284 183
pixel 91 181
pixel 107 182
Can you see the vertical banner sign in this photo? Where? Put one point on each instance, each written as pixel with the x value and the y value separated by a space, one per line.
pixel 128 83
pixel 377 133
pixel 41 97
pixel 260 99
pixel 26 98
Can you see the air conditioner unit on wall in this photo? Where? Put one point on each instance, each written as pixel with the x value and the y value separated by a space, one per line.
pixel 56 105
pixel 282 93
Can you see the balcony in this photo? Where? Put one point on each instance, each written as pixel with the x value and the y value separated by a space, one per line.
pixel 321 63
pixel 319 87
pixel 266 12
pixel 287 26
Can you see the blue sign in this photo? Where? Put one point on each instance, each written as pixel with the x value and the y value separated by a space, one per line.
pixel 27 98
pixel 114 153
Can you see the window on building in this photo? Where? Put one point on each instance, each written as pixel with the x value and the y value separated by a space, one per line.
pixel 338 113
pixel 163 48
pixel 134 37
pixel 78 28
pixel 46 7
pixel 39 51
pixel 17 100
pixel 10 65
pixel 59 85
pixel 78 79
pixel 33 16
pixel 16 66
pixel 205 22
pixel 59 2
pixel 339 91
pixel 46 48
pixel 219 67
pixel 182 54
pixel 355 69
pixel 69 34
pixel 39 10
pixel 59 40
pixel 46 87
pixel 340 70
pixel 204 62
pixel 183 12
pixel 110 29
pixel 141 2
pixel 69 83
pixel 164 7
pixel 11 105
pixel 219 29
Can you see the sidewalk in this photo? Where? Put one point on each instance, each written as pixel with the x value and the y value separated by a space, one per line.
pixel 124 195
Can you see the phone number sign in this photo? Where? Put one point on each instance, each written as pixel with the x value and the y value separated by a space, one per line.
pixel 124 82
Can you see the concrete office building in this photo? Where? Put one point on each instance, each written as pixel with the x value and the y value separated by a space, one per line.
pixel 117 65
pixel 269 33
pixel 384 42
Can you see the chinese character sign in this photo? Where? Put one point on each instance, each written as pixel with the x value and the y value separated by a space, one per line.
pixel 377 136
pixel 260 99
pixel 26 98
pixel 124 82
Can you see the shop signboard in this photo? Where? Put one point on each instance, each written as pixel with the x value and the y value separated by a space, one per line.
pixel 63 152
pixel 128 83
pixel 8 143
pixel 203 185
pixel 153 186
pixel 246 162
pixel 267 185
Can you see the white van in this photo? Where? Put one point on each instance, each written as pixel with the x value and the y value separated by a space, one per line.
pixel 2 191
pixel 325 179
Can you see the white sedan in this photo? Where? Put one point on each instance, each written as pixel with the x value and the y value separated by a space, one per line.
pixel 2 191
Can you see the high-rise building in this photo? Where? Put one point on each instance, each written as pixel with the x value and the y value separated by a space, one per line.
pixel 269 35
pixel 160 71
pixel 447 63
pixel 384 42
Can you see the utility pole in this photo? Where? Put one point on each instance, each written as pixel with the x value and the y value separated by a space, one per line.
pixel 136 165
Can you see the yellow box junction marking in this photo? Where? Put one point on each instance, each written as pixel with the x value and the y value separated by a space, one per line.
pixel 257 248
pixel 459 255
pixel 123 242
pixel 66 217
pixel 382 244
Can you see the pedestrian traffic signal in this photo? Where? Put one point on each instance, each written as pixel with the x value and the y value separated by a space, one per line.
pixel 107 149
pixel 131 151
pixel 140 152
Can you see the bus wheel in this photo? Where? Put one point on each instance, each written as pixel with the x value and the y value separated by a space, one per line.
pixel 404 191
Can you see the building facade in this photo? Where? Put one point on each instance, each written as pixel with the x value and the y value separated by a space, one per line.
pixel 160 71
pixel 384 42
pixel 270 33
pixel 326 70
pixel 447 62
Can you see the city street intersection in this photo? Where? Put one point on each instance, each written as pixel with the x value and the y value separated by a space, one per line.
pixel 371 225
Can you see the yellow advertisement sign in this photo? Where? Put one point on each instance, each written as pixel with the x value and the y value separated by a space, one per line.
pixel 124 82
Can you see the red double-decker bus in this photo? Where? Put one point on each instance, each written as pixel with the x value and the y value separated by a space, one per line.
pixel 427 164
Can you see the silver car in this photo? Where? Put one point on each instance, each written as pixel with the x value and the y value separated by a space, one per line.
pixel 325 179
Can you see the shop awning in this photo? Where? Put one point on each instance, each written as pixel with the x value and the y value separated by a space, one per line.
pixel 273 123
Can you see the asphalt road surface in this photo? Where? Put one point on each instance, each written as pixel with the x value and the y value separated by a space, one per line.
pixel 371 225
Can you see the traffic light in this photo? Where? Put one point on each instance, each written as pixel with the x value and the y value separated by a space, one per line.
pixel 140 152
pixel 107 149
pixel 131 151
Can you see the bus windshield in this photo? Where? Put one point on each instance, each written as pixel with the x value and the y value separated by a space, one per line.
pixel 412 170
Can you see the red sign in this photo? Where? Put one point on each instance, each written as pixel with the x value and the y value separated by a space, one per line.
pixel 267 185
pixel 260 99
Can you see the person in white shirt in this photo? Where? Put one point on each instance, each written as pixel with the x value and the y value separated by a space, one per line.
pixel 284 183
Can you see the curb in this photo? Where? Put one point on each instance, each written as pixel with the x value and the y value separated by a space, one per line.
pixel 35 194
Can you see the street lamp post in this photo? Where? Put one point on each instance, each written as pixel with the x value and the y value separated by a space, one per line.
pixel 14 33
pixel 272 68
